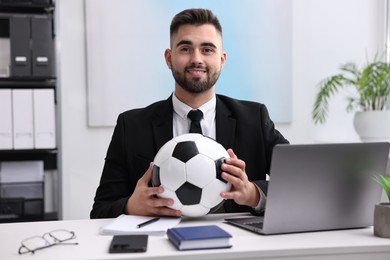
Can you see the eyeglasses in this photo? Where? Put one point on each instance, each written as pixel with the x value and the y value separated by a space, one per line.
pixel 55 237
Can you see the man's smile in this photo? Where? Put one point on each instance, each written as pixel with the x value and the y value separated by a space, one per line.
pixel 196 72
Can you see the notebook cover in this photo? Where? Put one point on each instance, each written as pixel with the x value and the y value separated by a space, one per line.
pixel 199 237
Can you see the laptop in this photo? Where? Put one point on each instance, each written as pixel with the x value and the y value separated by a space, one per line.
pixel 315 187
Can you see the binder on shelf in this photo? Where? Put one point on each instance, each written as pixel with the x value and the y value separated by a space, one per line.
pixel 42 46
pixel 5 47
pixel 20 45
pixel 22 104
pixel 44 119
pixel 5 119
pixel 5 57
pixel 21 171
pixel 26 190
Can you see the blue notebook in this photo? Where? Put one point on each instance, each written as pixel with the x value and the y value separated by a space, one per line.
pixel 199 237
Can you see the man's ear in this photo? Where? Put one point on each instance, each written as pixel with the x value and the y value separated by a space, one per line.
pixel 223 59
pixel 167 55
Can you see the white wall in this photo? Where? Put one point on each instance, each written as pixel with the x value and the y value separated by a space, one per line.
pixel 326 33
pixel 82 148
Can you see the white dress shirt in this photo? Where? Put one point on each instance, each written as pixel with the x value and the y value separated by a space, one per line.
pixel 181 123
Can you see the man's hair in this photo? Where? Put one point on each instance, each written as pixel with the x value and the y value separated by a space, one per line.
pixel 194 17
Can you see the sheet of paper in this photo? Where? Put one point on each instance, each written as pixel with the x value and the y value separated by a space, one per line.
pixel 127 225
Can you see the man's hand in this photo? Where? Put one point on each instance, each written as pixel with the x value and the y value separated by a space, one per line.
pixel 144 201
pixel 243 191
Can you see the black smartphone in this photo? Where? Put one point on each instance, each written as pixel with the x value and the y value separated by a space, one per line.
pixel 128 243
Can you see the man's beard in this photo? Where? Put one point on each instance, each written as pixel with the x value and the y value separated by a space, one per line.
pixel 195 85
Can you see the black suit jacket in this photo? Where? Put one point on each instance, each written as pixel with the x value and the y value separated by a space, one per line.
pixel 241 125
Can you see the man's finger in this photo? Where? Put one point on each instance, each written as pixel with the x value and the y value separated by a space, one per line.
pixel 148 174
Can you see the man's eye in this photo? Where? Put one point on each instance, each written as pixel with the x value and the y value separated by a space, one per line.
pixel 185 49
pixel 208 50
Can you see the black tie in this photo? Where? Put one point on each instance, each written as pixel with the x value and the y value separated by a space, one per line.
pixel 195 116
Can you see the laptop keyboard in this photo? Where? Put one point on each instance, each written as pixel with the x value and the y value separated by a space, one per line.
pixel 255 224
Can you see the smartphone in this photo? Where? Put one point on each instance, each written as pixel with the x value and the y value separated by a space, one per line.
pixel 128 243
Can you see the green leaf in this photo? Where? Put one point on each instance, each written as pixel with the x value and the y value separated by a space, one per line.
pixel 372 83
pixel 384 181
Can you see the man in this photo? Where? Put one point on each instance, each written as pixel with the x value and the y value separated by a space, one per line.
pixel 244 128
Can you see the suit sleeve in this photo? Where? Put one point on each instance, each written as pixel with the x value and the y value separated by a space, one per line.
pixel 271 137
pixel 113 191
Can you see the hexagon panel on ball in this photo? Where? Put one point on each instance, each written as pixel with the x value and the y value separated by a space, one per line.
pixel 172 173
pixel 211 148
pixel 194 210
pixel 210 193
pixel 200 170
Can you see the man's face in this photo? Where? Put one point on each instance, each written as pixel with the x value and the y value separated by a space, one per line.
pixel 196 57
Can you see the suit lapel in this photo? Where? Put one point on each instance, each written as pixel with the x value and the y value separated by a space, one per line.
pixel 225 125
pixel 162 124
pixel 163 131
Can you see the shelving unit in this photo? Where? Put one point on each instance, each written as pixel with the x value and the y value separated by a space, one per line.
pixel 27 37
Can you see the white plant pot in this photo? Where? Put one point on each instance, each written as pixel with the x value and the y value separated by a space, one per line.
pixel 373 126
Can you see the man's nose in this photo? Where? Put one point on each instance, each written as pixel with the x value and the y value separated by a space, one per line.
pixel 196 57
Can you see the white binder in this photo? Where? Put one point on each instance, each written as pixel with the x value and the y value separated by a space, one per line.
pixel 21 171
pixel 22 100
pixel 5 119
pixel 5 57
pixel 44 119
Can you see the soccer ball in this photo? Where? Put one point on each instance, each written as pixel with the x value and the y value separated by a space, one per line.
pixel 188 167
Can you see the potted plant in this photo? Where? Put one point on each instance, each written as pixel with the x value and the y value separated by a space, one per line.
pixel 372 85
pixel 382 210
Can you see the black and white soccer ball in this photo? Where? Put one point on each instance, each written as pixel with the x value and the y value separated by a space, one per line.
pixel 188 167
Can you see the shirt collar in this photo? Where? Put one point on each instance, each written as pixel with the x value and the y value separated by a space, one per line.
pixel 182 109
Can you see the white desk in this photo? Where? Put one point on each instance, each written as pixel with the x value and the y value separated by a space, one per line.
pixel 353 244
